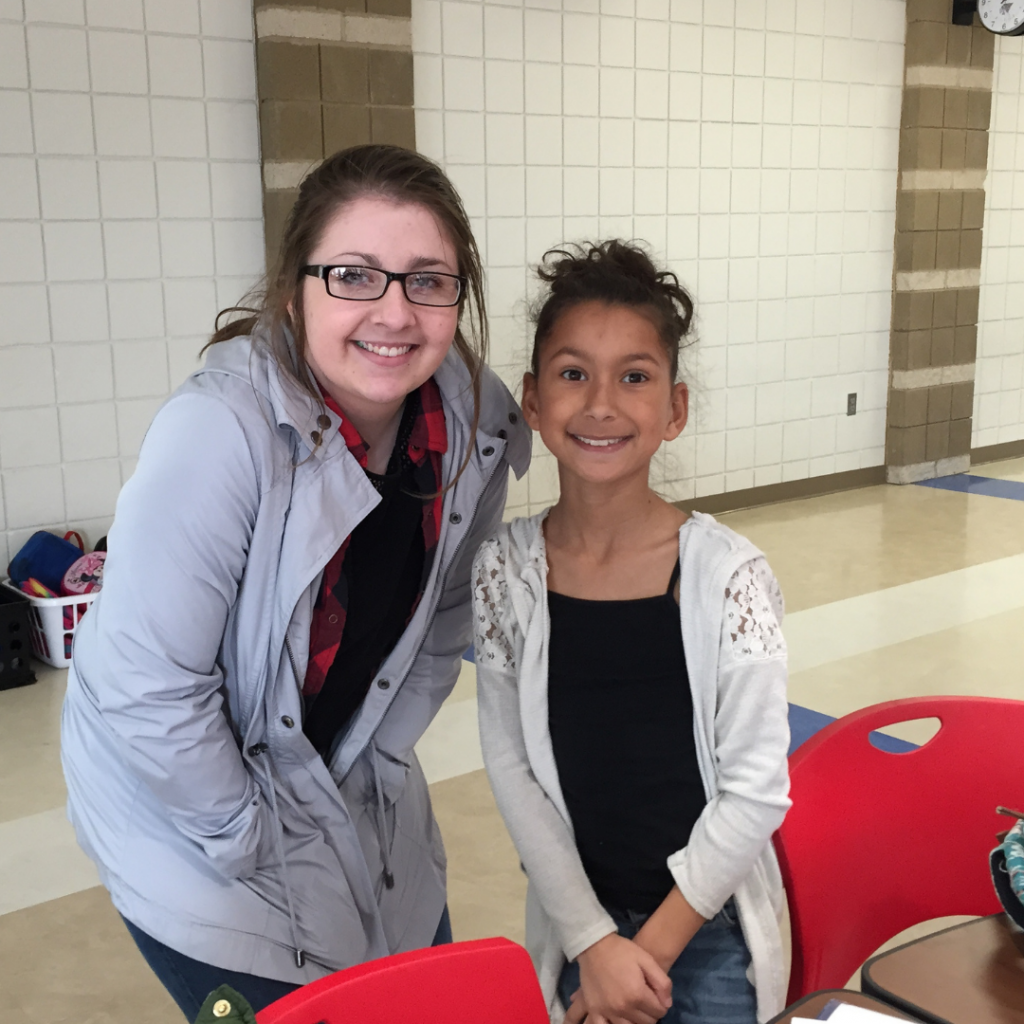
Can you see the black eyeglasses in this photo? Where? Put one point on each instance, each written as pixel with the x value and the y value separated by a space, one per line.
pixel 364 284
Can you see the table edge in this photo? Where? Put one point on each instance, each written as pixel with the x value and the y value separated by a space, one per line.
pixel 873 988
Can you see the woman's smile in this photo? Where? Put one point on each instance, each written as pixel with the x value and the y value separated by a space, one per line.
pixel 385 353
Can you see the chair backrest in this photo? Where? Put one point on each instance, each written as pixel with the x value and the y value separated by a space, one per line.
pixel 489 980
pixel 876 842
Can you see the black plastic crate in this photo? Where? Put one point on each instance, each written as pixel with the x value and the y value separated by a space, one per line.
pixel 15 669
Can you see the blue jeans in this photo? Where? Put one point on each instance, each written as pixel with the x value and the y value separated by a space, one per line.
pixel 190 981
pixel 709 980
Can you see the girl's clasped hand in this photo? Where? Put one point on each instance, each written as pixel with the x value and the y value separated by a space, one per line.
pixel 623 982
pixel 627 980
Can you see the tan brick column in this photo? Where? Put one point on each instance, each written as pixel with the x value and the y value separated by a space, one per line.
pixel 331 74
pixel 940 202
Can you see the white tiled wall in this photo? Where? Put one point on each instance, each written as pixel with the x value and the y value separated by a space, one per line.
pixel 130 211
pixel 999 384
pixel 751 143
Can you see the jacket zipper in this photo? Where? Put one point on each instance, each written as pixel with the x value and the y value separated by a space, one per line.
pixel 439 591
pixel 291 660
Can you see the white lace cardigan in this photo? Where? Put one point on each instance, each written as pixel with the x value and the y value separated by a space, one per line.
pixel 730 609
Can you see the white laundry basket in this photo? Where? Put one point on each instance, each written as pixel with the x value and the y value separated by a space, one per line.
pixel 54 621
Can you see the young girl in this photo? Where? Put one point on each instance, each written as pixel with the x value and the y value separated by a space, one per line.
pixel 632 677
pixel 287 599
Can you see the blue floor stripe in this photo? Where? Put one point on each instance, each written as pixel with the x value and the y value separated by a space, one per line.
pixel 967 483
pixel 804 723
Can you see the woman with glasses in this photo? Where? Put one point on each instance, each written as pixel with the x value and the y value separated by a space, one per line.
pixel 286 601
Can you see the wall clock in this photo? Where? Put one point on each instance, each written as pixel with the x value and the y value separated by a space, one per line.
pixel 1004 17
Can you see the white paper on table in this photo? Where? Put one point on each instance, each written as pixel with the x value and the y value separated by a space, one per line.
pixel 844 1013
pixel 847 1014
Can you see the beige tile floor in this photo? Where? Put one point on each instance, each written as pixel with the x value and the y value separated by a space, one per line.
pixel 891 592
pixel 858 542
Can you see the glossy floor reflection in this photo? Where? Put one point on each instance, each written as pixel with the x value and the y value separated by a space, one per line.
pixel 890 591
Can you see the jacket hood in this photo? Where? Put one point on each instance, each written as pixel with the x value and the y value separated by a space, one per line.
pixel 250 359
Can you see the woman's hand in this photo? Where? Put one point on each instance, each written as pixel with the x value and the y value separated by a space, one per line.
pixel 620 983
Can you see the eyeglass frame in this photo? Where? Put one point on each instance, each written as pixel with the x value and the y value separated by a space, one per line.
pixel 322 270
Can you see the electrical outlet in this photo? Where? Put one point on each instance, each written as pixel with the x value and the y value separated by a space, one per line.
pixel 851 404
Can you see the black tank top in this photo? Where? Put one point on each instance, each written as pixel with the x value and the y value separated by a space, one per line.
pixel 621 720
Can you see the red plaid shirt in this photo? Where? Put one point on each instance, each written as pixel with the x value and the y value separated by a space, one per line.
pixel 428 441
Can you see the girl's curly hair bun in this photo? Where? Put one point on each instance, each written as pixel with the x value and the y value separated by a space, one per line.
pixel 618 273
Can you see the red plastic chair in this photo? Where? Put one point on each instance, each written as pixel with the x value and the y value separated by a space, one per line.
pixel 876 842
pixel 462 983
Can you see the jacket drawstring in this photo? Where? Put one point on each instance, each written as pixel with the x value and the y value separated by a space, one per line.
pixel 268 775
pixel 382 823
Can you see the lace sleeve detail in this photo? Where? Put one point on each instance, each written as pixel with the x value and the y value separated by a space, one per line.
pixel 753 607
pixel 492 645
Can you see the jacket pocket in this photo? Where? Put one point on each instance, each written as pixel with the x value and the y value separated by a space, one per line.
pixel 394 774
pixel 411 909
pixel 329 926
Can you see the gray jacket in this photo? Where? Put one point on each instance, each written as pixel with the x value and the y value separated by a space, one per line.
pixel 214 823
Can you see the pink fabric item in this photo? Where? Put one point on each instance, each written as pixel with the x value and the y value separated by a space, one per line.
pixel 85 575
